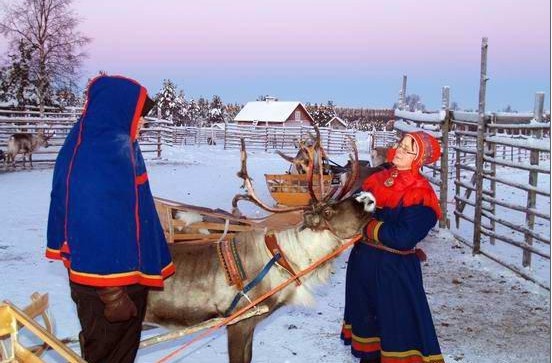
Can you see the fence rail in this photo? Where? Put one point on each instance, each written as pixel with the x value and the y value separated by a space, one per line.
pixel 474 145
pixel 285 138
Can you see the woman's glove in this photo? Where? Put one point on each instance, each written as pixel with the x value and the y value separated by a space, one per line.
pixel 118 305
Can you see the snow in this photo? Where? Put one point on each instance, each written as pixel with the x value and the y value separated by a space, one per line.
pixel 482 312
pixel 434 117
pixel 267 111
pixel 521 141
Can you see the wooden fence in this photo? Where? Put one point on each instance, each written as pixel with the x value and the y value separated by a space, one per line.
pixel 475 150
pixel 284 138
pixel 153 135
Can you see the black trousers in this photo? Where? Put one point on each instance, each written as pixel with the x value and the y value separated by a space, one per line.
pixel 102 341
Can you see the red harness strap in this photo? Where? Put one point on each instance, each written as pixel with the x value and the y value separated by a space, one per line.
pixel 231 264
pixel 272 244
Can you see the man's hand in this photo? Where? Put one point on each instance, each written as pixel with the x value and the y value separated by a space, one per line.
pixel 118 305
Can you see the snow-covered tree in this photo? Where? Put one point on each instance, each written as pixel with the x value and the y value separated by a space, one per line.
pixel 193 113
pixel 321 113
pixel 49 28
pixel 16 87
pixel 169 104
pixel 203 114
pixel 216 110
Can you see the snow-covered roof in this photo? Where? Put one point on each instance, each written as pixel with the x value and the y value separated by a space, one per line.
pixel 268 111
pixel 338 119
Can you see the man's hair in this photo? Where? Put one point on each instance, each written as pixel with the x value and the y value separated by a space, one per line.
pixel 148 105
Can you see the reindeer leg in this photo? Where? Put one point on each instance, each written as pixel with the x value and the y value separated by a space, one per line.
pixel 31 160
pixel 240 340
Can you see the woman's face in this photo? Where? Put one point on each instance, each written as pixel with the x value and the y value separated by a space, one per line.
pixel 406 153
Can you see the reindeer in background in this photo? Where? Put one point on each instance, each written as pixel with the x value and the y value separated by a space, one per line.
pixel 26 144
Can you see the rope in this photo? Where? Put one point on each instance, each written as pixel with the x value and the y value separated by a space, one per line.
pixel 261 298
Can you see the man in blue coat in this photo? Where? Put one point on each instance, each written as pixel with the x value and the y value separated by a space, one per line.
pixel 102 222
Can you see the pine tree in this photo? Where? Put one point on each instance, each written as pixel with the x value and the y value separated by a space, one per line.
pixel 216 110
pixel 193 113
pixel 166 103
pixel 18 89
pixel 203 114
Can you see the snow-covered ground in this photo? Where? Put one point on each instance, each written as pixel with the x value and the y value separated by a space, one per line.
pixel 482 312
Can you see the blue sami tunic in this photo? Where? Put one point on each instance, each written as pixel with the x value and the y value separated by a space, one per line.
pixel 386 311
pixel 102 221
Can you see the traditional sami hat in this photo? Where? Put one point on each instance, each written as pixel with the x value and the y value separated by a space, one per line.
pixel 429 150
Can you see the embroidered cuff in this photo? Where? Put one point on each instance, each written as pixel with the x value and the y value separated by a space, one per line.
pixel 372 230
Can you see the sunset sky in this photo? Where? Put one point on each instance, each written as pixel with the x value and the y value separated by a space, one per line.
pixel 350 51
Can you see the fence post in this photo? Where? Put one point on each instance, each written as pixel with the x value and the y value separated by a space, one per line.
pixel 225 131
pixel 159 143
pixel 538 112
pixel 443 189
pixel 492 150
pixel 531 204
pixel 266 138
pixel 480 146
pixel 402 94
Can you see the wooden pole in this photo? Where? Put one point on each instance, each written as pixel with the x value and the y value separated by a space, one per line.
pixel 402 95
pixel 539 112
pixel 492 147
pixel 531 204
pixel 457 177
pixel 480 146
pixel 443 189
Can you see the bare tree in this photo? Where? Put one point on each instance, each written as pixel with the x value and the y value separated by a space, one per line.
pixel 49 28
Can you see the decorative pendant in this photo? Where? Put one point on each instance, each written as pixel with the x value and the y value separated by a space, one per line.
pixel 391 180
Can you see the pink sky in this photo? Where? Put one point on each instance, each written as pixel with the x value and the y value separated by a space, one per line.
pixel 240 49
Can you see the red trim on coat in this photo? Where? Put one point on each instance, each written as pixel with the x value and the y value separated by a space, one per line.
pixel 135 120
pixel 137 113
pixel 365 347
pixel 142 179
pixel 53 254
pixel 122 279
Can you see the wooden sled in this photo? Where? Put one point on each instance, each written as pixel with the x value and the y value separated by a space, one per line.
pixel 218 223
pixel 12 319
pixel 292 189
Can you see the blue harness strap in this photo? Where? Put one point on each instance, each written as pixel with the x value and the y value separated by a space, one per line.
pixel 260 276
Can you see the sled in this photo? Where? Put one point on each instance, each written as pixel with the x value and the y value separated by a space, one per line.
pixel 13 319
pixel 292 189
pixel 220 224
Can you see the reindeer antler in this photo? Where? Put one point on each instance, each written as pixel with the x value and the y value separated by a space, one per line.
pixel 353 175
pixel 251 196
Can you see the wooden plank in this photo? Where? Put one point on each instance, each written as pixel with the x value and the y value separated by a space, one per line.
pixel 517 227
pixel 44 335
pixel 516 207
pixel 531 204
pixel 172 335
pixel 540 169
pixel 524 246
pixel 480 145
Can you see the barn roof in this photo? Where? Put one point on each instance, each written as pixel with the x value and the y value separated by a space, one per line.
pixel 338 119
pixel 269 111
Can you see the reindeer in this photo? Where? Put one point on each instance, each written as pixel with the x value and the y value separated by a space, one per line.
pixel 26 144
pixel 300 162
pixel 199 290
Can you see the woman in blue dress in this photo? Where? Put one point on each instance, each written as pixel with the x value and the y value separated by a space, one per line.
pixel 387 317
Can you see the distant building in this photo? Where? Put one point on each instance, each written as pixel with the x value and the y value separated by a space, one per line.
pixel 336 123
pixel 274 113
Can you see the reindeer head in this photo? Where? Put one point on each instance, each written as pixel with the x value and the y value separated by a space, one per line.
pixel 43 138
pixel 337 210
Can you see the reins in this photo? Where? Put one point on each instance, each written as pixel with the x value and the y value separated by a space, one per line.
pixel 261 298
